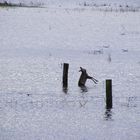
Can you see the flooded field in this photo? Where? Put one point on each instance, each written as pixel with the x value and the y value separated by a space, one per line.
pixel 34 44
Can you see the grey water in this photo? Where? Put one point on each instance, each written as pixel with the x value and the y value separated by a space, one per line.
pixel 34 44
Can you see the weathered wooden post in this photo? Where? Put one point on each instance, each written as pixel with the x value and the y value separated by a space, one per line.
pixel 108 94
pixel 65 75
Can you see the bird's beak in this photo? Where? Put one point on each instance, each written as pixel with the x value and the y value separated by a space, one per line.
pixel 80 69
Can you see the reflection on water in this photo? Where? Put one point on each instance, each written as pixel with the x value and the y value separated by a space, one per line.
pixel 65 90
pixel 83 100
pixel 83 103
pixel 83 89
pixel 108 114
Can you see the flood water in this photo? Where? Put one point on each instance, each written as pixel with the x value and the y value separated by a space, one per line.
pixel 34 44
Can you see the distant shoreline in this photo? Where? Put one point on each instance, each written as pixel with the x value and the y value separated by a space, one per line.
pixel 6 4
pixel 99 7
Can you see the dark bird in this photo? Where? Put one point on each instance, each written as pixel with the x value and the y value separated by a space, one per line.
pixel 84 76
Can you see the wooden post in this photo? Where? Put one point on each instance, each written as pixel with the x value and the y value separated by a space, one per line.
pixel 108 94
pixel 65 75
